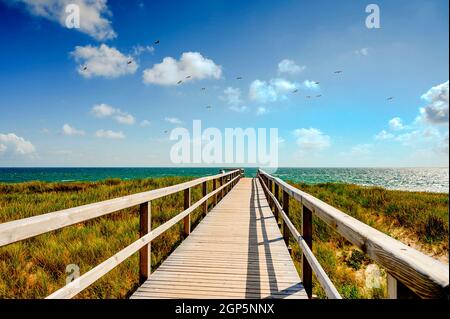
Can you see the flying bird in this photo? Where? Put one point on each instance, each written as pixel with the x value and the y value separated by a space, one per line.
pixel 209 107
pixel 308 96
pixel 203 89
pixel 188 77
pixel 316 82
pixel 295 91
pixel 129 62
pixel 239 78
pixel 156 42
pixel 337 72
pixel 166 131
pixel 179 82
pixel 390 98
pixel 319 95
pixel 84 68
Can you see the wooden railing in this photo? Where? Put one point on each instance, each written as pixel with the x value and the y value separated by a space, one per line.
pixel 410 272
pixel 14 231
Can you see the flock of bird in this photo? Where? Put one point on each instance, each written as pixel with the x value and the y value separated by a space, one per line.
pixel 209 107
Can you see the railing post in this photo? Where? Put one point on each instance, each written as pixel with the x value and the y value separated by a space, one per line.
pixel 276 193
pixel 187 219
pixel 222 192
pixel 307 236
pixel 269 198
pixel 205 204
pixel 215 195
pixel 145 253
pixel 285 228
pixel 397 290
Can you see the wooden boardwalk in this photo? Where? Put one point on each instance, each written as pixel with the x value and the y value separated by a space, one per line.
pixel 237 251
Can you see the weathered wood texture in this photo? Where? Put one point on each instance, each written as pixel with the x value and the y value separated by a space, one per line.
pixel 424 275
pixel 237 251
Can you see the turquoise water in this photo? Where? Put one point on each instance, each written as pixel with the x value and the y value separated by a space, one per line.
pixel 412 179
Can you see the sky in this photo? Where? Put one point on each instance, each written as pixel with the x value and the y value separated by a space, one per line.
pixel 108 93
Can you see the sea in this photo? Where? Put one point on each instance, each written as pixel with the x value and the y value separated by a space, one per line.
pixel 409 179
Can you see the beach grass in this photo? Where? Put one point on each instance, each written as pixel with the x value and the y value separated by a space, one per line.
pixel 36 267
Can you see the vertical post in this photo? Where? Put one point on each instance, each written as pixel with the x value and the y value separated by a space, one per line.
pixel 222 192
pixel 215 195
pixel 276 193
pixel 145 253
pixel 205 204
pixel 187 219
pixel 307 236
pixel 269 186
pixel 286 210
pixel 397 290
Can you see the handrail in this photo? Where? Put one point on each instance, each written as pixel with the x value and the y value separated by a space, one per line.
pixel 100 270
pixel 21 229
pixel 425 276
pixel 321 275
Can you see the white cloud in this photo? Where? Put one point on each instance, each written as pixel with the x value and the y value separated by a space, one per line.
pixel 261 110
pixel 310 85
pixel 105 110
pixel 272 91
pixel 140 49
pixel 93 15
pixel 191 64
pixel 361 149
pixel 311 139
pixel 289 66
pixel 383 135
pixel 232 96
pixel 109 134
pixel 363 51
pixel 103 61
pixel 436 112
pixel 16 144
pixel 173 120
pixel 396 124
pixel 145 123
pixel 71 131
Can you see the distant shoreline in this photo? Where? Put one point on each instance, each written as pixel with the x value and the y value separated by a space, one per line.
pixel 433 180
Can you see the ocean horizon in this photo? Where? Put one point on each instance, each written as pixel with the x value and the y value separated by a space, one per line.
pixel 424 179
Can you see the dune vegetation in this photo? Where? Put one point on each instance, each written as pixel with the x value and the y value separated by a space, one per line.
pixel 35 268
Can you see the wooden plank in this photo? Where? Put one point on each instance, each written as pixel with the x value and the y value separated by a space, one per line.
pixel 424 275
pixel 187 219
pixel 237 251
pixel 145 253
pixel 21 229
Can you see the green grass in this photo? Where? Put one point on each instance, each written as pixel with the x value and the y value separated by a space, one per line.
pixel 35 268
pixel 418 219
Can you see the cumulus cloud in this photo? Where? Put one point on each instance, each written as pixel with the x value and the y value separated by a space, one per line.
pixel 261 110
pixel 396 124
pixel 361 149
pixel 110 134
pixel 191 64
pixel 363 51
pixel 15 144
pixel 144 123
pixel 105 110
pixel 290 67
pixel 311 139
pixel 436 112
pixel 232 96
pixel 272 91
pixel 94 15
pixel 310 85
pixel 140 49
pixel 173 120
pixel 71 131
pixel 103 61
pixel 383 135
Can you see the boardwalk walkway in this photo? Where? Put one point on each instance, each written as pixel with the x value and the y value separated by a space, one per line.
pixel 237 251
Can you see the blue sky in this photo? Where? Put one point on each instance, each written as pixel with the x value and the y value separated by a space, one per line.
pixel 55 113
